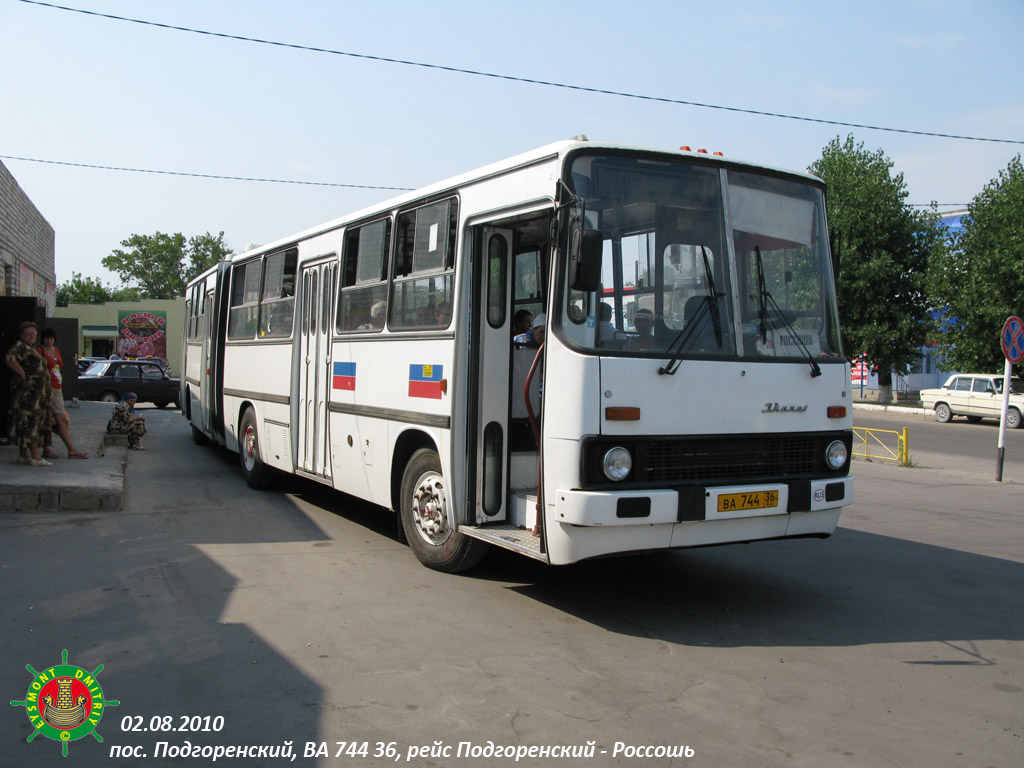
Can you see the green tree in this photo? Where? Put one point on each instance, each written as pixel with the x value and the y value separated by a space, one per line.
pixel 161 265
pixel 89 290
pixel 980 282
pixel 885 250
pixel 82 290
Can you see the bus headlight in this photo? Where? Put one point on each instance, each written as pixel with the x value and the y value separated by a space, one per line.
pixel 617 464
pixel 835 454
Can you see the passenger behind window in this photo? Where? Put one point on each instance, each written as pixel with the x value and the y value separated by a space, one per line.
pixel 376 318
pixel 607 334
pixel 424 316
pixel 522 322
pixel 643 320
pixel 533 337
pixel 443 314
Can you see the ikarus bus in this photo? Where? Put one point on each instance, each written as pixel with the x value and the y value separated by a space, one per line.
pixel 690 389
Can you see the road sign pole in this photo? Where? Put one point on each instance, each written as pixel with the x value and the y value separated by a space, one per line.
pixel 1011 340
pixel 1007 370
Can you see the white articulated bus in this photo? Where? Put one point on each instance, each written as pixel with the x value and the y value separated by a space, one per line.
pixel 690 389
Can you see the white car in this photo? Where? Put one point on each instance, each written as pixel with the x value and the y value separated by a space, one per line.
pixel 976 396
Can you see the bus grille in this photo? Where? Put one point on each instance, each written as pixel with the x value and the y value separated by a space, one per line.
pixel 675 461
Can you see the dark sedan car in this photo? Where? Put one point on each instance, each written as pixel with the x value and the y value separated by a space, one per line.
pixel 108 381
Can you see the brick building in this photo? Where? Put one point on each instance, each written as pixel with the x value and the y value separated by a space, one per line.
pixel 26 245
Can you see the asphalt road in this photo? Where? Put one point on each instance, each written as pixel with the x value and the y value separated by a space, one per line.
pixel 957 446
pixel 296 616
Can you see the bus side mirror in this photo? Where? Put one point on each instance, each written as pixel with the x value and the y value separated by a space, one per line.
pixel 585 260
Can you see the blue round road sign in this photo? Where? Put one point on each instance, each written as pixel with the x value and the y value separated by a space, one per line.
pixel 1012 340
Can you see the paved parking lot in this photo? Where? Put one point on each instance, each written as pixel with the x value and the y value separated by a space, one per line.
pixel 297 617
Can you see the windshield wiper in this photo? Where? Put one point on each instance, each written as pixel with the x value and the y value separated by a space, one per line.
pixel 715 319
pixel 681 343
pixel 683 339
pixel 763 300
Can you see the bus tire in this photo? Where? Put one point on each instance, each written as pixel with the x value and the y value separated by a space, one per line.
pixel 257 474
pixel 942 413
pixel 424 513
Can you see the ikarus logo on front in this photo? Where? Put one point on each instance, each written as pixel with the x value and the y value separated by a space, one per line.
pixel 64 702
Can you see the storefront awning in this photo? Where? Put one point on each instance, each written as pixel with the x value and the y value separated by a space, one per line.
pixel 99 331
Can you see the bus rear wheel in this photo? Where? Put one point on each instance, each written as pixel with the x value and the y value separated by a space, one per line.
pixel 257 474
pixel 424 511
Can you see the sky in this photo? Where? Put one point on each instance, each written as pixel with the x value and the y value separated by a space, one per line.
pixel 96 91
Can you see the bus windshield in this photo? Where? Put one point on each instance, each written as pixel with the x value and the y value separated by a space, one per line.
pixel 701 261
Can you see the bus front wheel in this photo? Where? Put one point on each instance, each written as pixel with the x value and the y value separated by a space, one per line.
pixel 424 510
pixel 257 474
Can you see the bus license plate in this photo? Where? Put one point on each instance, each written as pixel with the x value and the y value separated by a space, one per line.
pixel 736 502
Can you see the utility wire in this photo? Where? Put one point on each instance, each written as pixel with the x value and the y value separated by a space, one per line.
pixel 513 78
pixel 205 175
pixel 292 181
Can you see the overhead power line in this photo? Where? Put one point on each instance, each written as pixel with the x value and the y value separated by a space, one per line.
pixel 290 181
pixel 531 81
pixel 205 175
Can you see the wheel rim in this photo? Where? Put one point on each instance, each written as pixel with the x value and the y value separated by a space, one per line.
pixel 1012 419
pixel 249 450
pixel 429 506
pixel 942 412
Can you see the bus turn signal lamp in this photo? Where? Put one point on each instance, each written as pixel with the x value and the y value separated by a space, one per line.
pixel 837 411
pixel 622 414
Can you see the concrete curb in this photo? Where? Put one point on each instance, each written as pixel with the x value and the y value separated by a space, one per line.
pixel 96 483
pixel 920 412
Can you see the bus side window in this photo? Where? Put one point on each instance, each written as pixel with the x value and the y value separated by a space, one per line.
pixel 245 294
pixel 424 260
pixel 364 292
pixel 278 297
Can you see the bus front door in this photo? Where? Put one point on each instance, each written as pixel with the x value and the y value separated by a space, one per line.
pixel 319 281
pixel 494 356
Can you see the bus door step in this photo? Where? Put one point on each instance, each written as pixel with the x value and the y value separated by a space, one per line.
pixel 507 537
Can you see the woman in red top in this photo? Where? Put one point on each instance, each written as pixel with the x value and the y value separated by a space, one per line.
pixel 61 422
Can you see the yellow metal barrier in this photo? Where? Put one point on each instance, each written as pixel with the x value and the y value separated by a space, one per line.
pixel 867 440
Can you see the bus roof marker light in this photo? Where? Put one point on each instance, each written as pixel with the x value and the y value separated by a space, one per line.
pixel 702 151
pixel 685 148
pixel 718 154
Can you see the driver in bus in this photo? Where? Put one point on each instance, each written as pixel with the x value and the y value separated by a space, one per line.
pixel 643 320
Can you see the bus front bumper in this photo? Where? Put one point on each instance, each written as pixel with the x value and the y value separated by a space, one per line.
pixel 586 524
pixel 699 504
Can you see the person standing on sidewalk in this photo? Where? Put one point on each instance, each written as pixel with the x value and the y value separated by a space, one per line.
pixel 30 397
pixel 61 422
